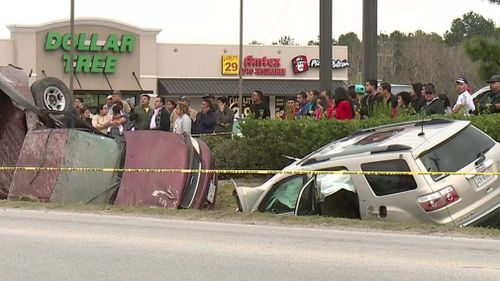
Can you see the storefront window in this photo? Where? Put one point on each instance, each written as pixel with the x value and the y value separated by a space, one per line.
pixel 94 99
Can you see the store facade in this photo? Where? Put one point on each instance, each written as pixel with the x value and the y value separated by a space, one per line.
pixel 112 55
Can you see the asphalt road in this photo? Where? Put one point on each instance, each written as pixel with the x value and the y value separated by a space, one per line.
pixel 41 245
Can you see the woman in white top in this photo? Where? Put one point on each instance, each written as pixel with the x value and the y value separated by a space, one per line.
pixel 182 125
pixel 101 120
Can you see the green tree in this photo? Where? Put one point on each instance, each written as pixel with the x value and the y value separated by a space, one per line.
pixel 487 53
pixel 469 26
pixel 354 55
pixel 285 40
pixel 313 42
pixel 495 2
pixel 316 43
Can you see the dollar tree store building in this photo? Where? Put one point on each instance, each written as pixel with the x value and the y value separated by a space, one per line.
pixel 112 55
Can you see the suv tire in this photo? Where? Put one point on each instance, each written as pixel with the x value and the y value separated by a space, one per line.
pixel 52 94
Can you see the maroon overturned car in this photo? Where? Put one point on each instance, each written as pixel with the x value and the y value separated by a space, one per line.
pixel 39 129
pixel 172 189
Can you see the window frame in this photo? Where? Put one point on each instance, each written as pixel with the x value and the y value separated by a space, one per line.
pixel 380 192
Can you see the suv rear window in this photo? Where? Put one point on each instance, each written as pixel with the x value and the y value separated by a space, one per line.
pixel 389 184
pixel 456 152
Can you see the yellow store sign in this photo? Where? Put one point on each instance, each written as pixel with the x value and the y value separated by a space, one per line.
pixel 230 65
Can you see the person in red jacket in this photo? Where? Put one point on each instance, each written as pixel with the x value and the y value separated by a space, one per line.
pixel 343 105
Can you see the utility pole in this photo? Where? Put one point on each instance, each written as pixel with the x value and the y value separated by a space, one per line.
pixel 72 36
pixel 325 45
pixel 370 49
pixel 240 64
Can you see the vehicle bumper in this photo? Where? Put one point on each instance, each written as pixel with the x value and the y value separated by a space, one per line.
pixel 489 218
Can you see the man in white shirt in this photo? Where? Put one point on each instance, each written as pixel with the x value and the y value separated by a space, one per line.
pixel 464 104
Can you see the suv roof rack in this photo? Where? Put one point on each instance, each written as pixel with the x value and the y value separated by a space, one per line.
pixel 414 122
pixel 371 150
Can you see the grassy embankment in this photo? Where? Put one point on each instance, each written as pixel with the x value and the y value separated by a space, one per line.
pixel 225 212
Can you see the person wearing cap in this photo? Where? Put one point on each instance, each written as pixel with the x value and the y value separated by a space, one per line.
pixel 464 104
pixel 109 104
pixel 143 113
pixel 356 92
pixel 192 113
pixel 434 105
pixel 490 103
pixel 117 98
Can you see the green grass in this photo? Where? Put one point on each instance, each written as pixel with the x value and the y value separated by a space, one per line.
pixel 225 212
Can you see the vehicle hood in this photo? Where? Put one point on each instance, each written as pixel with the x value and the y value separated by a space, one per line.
pixel 248 196
pixel 14 83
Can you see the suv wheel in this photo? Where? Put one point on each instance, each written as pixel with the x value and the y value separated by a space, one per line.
pixel 52 94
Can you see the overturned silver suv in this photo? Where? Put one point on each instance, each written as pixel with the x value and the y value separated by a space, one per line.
pixel 412 172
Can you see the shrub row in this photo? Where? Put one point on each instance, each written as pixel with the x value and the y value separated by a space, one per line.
pixel 264 142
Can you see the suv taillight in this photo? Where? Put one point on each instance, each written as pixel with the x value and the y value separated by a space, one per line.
pixel 438 199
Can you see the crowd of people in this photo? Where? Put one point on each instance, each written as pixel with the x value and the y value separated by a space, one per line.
pixel 118 115
pixel 215 116
pixel 364 101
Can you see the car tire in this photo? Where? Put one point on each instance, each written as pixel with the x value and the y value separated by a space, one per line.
pixel 52 94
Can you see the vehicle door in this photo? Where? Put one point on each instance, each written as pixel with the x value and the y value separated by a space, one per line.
pixel 472 196
pixel 336 193
pixel 390 197
pixel 282 197
pixel 307 201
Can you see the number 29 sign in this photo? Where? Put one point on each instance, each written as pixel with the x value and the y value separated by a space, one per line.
pixel 230 65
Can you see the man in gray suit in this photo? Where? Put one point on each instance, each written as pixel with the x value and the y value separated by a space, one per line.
pixel 143 113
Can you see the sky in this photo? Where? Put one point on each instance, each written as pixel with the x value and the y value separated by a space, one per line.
pixel 217 21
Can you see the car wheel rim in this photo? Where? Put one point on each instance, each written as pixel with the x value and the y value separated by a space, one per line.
pixel 54 99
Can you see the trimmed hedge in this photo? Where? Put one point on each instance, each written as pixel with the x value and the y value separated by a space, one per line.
pixel 264 142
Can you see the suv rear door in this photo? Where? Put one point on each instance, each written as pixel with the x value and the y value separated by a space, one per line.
pixel 393 197
pixel 470 150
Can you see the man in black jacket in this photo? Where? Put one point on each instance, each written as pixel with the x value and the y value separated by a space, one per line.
pixel 490 103
pixel 259 109
pixel 369 101
pixel 160 120
pixel 205 120
pixel 434 105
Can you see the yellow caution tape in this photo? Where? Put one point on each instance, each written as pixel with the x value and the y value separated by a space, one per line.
pixel 258 172
pixel 214 134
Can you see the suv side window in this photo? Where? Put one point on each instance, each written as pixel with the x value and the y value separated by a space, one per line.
pixel 283 196
pixel 389 184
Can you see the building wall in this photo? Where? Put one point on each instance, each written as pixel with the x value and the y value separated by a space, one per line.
pixel 6 51
pixel 53 64
pixel 150 60
pixel 205 61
